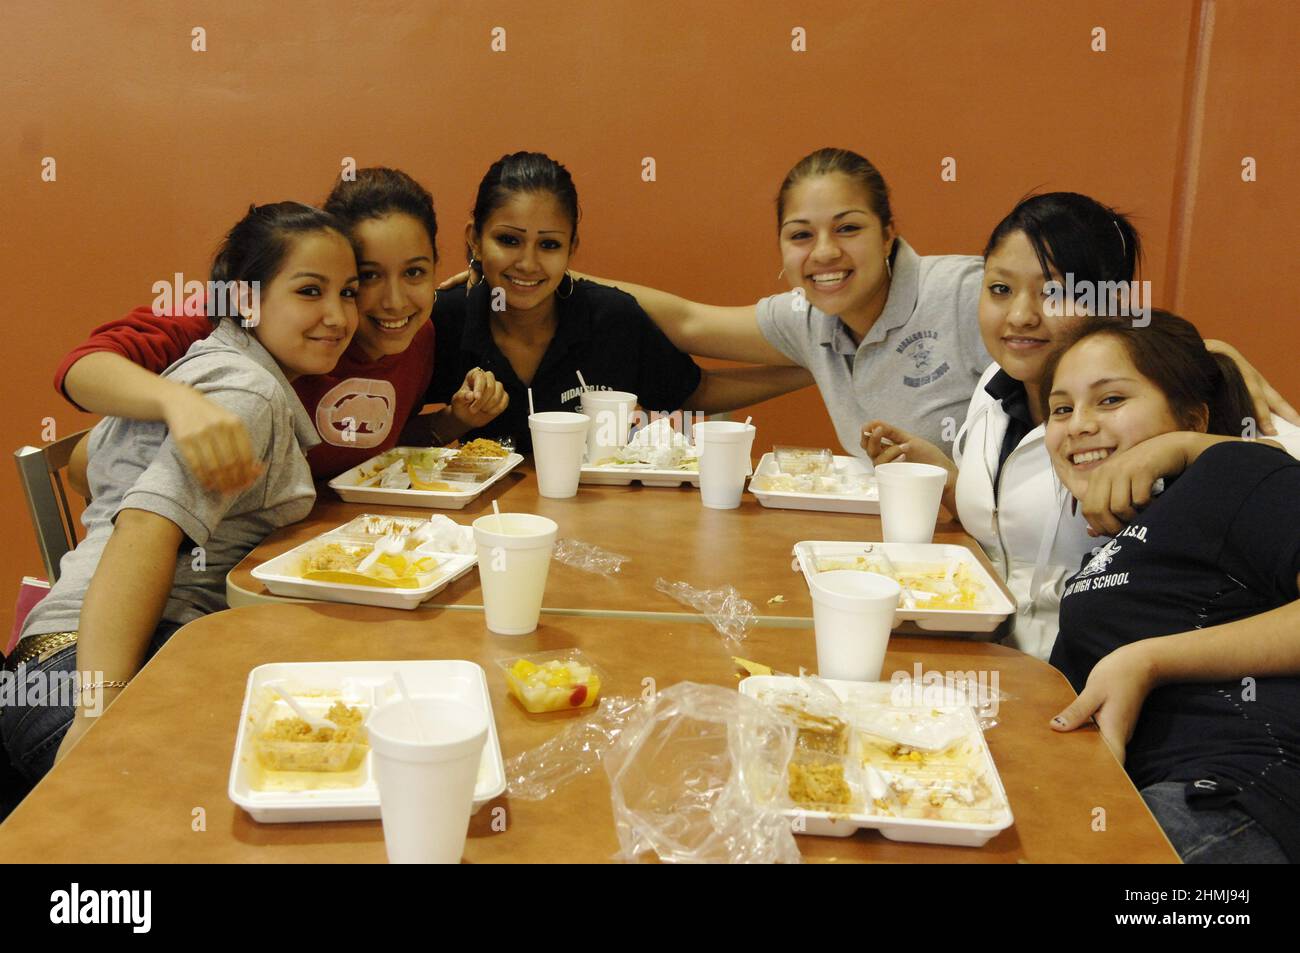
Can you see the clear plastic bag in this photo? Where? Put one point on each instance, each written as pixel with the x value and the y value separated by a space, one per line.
pixel 731 614
pixel 539 772
pixel 587 557
pixel 698 775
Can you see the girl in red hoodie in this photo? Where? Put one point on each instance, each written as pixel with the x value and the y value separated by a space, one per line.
pixel 359 409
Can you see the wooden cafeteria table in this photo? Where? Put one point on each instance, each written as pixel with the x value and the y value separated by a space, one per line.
pixel 665 531
pixel 130 791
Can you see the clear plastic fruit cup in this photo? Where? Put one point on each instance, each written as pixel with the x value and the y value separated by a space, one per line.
pixel 553 681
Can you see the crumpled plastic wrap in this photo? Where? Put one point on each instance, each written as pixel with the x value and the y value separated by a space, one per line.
pixel 588 558
pixel 934 689
pixel 576 751
pixel 731 614
pixel 698 775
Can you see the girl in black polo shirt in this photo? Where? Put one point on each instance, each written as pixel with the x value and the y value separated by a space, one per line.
pixel 1182 633
pixel 527 321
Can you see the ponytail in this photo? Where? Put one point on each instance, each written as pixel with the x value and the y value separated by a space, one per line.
pixel 1230 403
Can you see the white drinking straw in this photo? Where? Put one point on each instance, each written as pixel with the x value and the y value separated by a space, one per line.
pixel 497 510
pixel 747 420
pixel 582 382
pixel 530 402
pixel 410 705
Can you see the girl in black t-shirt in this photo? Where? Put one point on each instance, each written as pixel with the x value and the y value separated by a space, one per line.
pixel 532 325
pixel 1182 633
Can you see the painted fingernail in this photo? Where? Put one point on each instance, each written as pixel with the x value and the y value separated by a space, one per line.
pixel 1058 721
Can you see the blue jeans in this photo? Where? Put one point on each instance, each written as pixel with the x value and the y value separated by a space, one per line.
pixel 34 721
pixel 1210 835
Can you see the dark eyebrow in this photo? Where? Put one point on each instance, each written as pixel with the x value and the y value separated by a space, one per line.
pixel 1095 384
pixel 407 262
pixel 321 278
pixel 999 270
pixel 836 217
pixel 540 231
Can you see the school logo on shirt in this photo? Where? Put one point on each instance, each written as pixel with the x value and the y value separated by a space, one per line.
pixel 1101 559
pixel 919 348
pixel 1089 578
pixel 356 413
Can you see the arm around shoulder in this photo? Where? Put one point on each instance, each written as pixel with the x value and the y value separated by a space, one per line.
pixel 727 333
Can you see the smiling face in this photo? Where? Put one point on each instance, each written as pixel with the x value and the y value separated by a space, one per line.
pixel 1017 332
pixel 308 311
pixel 834 248
pixel 397 287
pixel 1100 405
pixel 524 247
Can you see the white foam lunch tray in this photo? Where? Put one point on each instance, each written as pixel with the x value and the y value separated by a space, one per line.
pixel 317 685
pixel 908 829
pixel 346 486
pixel 868 502
pixel 276 575
pixel 994 609
pixel 628 473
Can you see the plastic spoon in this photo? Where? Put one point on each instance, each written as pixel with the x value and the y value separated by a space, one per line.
pixel 909 597
pixel 410 705
pixel 582 382
pixel 300 711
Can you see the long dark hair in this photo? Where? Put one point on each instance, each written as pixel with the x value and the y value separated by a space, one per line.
pixel 254 250
pixel 525 172
pixel 1169 352
pixel 380 191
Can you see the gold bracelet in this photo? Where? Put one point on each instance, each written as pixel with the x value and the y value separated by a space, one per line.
pixel 110 684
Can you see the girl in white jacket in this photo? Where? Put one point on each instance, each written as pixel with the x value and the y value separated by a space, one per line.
pixel 1002 487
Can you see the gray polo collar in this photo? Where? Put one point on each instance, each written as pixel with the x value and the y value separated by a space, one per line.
pixel 903 288
pixel 236 338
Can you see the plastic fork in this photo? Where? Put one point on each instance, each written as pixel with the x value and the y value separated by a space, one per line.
pixel 386 546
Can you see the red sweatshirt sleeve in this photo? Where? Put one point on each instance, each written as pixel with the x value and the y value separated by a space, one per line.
pixel 155 342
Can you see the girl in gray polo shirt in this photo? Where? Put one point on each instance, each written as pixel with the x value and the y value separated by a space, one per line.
pixel 158 545
pixel 885 332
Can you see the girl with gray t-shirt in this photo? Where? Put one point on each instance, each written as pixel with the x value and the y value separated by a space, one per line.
pixel 158 544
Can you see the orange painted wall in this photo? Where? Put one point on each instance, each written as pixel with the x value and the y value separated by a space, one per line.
pixel 159 148
pixel 1237 275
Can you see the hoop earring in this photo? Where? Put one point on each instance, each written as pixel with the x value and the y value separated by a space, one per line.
pixel 475 271
pixel 780 274
pixel 571 284
pixel 889 269
pixel 434 303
